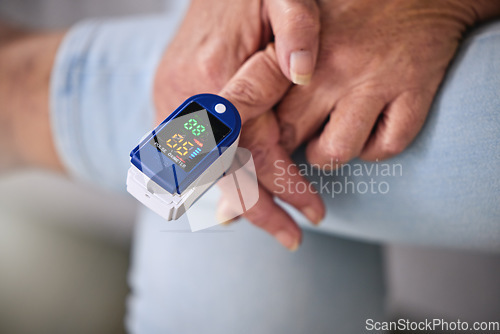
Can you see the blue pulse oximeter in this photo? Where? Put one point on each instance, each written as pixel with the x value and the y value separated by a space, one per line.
pixel 185 155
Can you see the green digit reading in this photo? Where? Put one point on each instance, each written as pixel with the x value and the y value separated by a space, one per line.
pixel 199 130
pixel 189 125
pixel 193 126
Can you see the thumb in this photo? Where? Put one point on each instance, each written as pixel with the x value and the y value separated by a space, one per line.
pixel 296 27
pixel 257 86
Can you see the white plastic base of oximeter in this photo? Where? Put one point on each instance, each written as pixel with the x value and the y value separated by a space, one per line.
pixel 169 206
pixel 173 206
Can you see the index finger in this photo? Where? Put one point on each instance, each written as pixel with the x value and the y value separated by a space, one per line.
pixel 257 86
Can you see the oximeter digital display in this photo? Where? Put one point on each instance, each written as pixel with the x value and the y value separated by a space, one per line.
pixel 185 155
pixel 200 132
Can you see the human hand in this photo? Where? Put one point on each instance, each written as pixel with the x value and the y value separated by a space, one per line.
pixel 217 37
pixel 254 90
pixel 379 67
pixel 215 40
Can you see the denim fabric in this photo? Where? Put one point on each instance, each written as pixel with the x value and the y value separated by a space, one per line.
pixel 449 191
pixel 238 280
pixel 101 94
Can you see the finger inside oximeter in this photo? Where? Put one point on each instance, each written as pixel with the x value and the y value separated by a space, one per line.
pixel 185 155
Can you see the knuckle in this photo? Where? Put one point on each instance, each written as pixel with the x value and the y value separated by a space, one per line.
pixel 243 91
pixel 339 153
pixel 258 216
pixel 390 148
pixel 209 68
pixel 261 160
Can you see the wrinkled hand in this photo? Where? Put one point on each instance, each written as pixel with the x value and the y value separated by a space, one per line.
pixel 220 38
pixel 255 88
pixel 379 67
pixel 217 37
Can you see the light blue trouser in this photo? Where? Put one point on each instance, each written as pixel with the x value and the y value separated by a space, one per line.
pixel 238 280
pixel 242 282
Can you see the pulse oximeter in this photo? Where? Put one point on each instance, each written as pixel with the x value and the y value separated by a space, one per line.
pixel 185 155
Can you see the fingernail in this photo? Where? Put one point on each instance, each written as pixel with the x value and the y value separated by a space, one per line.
pixel 224 214
pixel 313 215
pixel 301 67
pixel 288 240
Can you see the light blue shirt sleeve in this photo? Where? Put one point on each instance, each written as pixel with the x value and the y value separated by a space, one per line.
pixel 101 93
